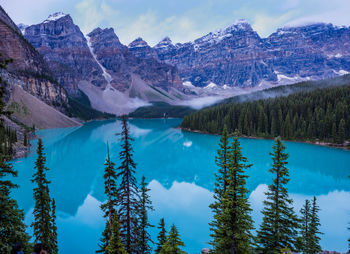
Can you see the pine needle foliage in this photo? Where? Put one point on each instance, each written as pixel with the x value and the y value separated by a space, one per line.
pixel 143 243
pixel 108 208
pixel 116 245
pixel 232 223
pixel 161 238
pixel 128 193
pixel 42 225
pixel 279 227
pixel 173 243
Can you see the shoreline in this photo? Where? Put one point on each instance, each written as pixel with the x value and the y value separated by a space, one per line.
pixel 318 143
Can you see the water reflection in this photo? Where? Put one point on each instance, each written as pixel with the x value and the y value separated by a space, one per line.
pixel 180 166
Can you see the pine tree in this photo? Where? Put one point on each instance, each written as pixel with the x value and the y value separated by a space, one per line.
pixel 108 207
pixel 314 244
pixel 341 131
pixel 127 191
pixel 305 236
pixel 173 243
pixel 235 220
pixel 42 210
pixel 12 228
pixel 144 238
pixel 278 229
pixel 161 236
pixel 222 160
pixel 25 141
pixel 116 245
pixel 54 228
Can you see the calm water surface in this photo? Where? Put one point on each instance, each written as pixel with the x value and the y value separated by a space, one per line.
pixel 179 167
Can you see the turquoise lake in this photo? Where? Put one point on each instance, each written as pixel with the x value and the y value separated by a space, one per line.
pixel 179 167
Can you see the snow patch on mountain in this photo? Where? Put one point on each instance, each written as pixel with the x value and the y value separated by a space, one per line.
pixel 105 74
pixel 188 84
pixel 55 16
pixel 165 43
pixel 138 43
pixel 22 27
pixel 211 85
pixel 220 34
pixel 341 72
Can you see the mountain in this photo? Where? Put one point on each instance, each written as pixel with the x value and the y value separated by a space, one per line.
pixel 65 49
pixel 141 49
pixel 238 57
pixel 100 66
pixel 31 91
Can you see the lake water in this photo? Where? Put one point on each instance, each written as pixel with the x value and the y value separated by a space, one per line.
pixel 179 167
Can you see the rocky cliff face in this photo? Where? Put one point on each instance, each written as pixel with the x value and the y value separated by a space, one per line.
pixel 74 60
pixel 122 64
pixel 237 56
pixel 65 49
pixel 141 49
pixel 28 69
pixel 314 51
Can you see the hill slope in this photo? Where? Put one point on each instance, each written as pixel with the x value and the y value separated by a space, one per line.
pixel 310 113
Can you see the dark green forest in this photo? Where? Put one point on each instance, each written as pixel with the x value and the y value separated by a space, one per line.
pixel 307 116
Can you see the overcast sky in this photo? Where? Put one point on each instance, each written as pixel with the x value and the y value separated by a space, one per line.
pixel 181 20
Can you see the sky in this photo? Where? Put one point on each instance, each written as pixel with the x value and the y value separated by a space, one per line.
pixel 181 20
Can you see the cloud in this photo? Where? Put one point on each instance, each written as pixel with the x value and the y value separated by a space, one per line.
pixel 266 24
pixel 94 13
pixel 153 28
pixel 201 102
pixel 24 11
pixel 182 20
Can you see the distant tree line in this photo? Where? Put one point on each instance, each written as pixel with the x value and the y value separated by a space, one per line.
pixel 323 114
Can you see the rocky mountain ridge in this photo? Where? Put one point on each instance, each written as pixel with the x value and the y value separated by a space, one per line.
pixel 28 69
pixel 118 78
pixel 237 56
pixel 101 66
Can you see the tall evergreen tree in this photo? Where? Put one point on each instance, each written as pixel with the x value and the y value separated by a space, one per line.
pixel 161 236
pixel 144 238
pixel 12 228
pixel 42 209
pixel 127 191
pixel 278 229
pixel 115 245
pixel 305 236
pixel 314 244
pixel 341 131
pixel 54 228
pixel 232 235
pixel 108 207
pixel 173 243
pixel 222 161
pixel 25 139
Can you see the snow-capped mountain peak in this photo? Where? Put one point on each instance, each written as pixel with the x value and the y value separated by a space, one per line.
pixel 220 34
pixel 55 16
pixel 166 42
pixel 138 43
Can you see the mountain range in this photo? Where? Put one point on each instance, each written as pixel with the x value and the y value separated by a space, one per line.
pixel 57 64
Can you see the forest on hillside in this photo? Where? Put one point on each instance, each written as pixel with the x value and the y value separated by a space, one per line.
pixel 307 116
